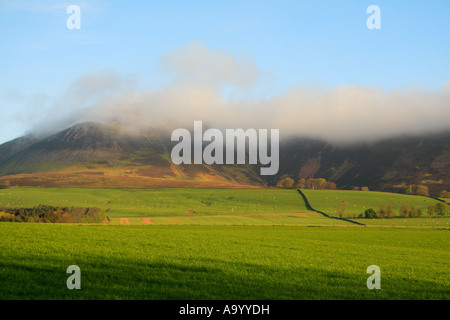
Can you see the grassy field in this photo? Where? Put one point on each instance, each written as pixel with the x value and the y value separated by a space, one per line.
pixel 358 201
pixel 270 219
pixel 187 206
pixel 180 202
pixel 180 206
pixel 221 244
pixel 221 262
pixel 440 222
pixel 29 197
pixel 160 202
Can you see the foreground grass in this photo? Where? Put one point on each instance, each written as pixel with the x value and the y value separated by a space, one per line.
pixel 220 262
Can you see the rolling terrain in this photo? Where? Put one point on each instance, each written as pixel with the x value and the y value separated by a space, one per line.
pixel 358 201
pixel 187 206
pixel 196 206
pixel 99 156
pixel 104 156
pixel 387 165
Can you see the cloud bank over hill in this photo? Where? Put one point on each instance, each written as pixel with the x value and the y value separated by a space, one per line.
pixel 342 114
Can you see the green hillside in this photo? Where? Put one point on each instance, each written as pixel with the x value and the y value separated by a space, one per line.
pixel 160 202
pixel 358 201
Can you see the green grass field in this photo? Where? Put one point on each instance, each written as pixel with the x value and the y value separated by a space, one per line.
pixel 261 219
pixel 222 262
pixel 160 202
pixel 29 197
pixel 221 244
pixel 438 222
pixel 358 201
pixel 180 206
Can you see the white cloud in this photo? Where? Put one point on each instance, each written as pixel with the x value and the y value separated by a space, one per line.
pixel 198 64
pixel 344 113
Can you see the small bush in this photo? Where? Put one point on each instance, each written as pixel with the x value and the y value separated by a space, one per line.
pixel 370 214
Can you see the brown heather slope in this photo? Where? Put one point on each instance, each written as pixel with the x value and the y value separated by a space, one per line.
pixel 103 156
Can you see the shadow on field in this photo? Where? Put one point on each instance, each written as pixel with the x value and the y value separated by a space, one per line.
pixel 201 279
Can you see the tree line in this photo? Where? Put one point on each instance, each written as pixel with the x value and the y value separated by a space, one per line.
pixel 313 184
pixel 51 214
pixel 405 211
pixel 422 190
pixel 323 184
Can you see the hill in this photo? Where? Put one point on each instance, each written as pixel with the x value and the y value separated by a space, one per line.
pixel 388 165
pixel 358 201
pixel 99 155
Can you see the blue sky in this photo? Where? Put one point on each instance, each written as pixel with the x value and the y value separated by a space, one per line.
pixel 309 43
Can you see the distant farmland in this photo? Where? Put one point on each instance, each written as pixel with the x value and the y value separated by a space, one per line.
pixel 192 206
pixel 257 219
pixel 161 202
pixel 179 206
pixel 358 201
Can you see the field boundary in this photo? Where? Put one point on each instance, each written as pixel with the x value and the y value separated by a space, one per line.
pixel 441 200
pixel 309 207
